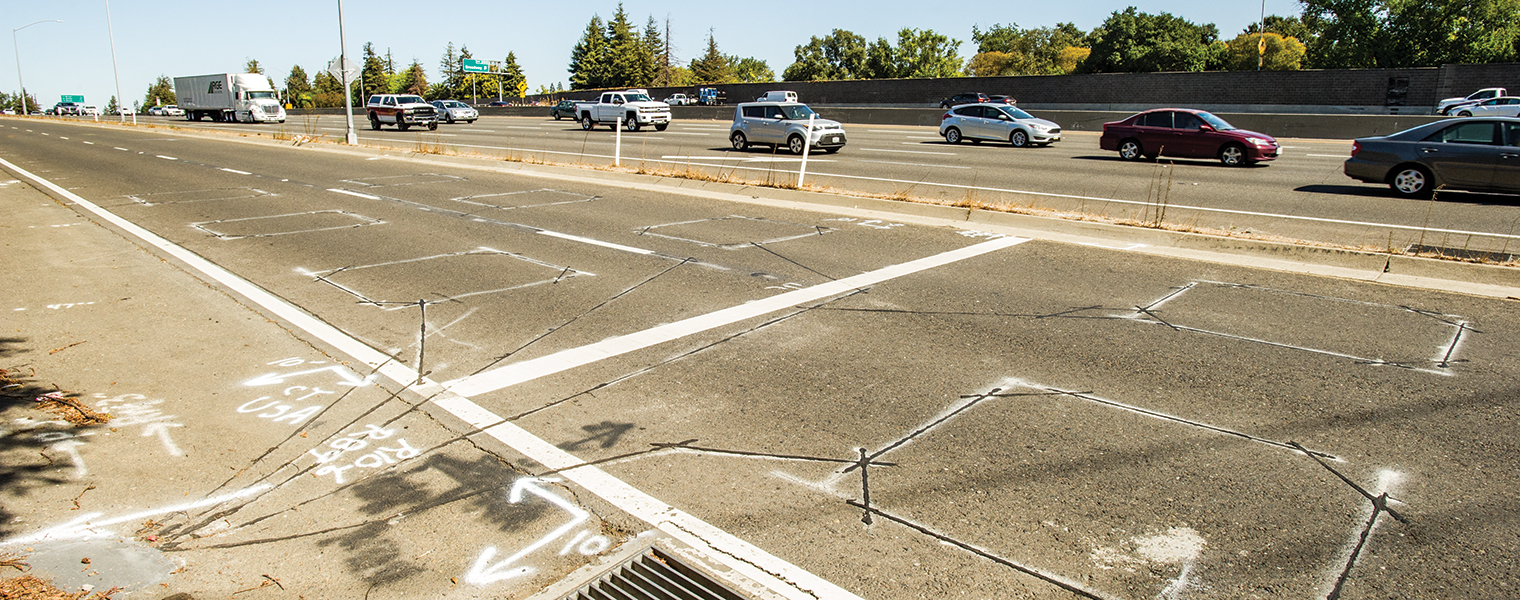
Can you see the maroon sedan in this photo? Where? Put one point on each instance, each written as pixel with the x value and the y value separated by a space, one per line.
pixel 1186 133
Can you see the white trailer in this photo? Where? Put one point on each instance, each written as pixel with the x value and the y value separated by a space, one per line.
pixel 245 97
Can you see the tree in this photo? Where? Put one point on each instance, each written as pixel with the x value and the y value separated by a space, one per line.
pixel 588 59
pixel 994 63
pixel 372 74
pixel 665 58
pixel 841 55
pixel 713 67
pixel 631 61
pixel 1406 33
pixel 111 107
pixel 512 78
pixel 1349 34
pixel 919 53
pixel 1275 52
pixel 1136 42
pixel 1027 51
pixel 298 90
pixel 413 80
pixel 327 91
pixel 751 70
pixel 160 93
pixel 253 66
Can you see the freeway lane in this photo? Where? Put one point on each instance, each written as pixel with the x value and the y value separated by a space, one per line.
pixel 1060 419
pixel 1303 195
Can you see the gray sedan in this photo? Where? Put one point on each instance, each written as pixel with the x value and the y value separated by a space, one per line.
pixel 1000 122
pixel 1477 153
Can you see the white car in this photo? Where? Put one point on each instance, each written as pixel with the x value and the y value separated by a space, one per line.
pixel 1451 105
pixel 454 110
pixel 156 111
pixel 1503 106
pixel 90 111
pixel 173 111
pixel 677 100
pixel 997 122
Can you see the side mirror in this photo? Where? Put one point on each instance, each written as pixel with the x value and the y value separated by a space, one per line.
pixel 1004 117
pixel 1206 127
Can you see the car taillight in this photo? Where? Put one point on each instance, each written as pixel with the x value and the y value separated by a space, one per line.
pixel 1355 148
pixel 947 115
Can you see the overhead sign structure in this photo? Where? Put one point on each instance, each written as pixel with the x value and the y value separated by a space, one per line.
pixel 343 69
pixel 74 99
pixel 477 66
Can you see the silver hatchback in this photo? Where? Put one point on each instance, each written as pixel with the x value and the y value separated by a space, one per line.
pixel 779 124
pixel 999 122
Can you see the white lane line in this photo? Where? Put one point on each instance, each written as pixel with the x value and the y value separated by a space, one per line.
pixel 524 127
pixel 908 151
pixel 781 577
pixel 166 157
pixel 236 171
pixel 122 149
pixel 704 157
pixel 888 162
pixel 474 130
pixel 686 133
pixel 352 193
pixel 62 138
pixel 594 242
pixel 90 143
pixel 1329 155
pixel 529 370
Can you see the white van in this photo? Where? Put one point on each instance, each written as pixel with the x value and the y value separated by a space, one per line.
pixel 778 97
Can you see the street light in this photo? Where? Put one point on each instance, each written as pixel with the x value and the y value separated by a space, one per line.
pixel 17 49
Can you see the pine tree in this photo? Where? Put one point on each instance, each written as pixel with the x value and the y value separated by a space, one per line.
pixel 713 67
pixel 298 91
pixel 373 75
pixel 588 59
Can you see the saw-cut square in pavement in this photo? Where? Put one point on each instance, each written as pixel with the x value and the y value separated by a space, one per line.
pixel 156 198
pixel 524 199
pixel 445 276
pixel 1367 332
pixel 734 231
pixel 397 180
pixel 321 220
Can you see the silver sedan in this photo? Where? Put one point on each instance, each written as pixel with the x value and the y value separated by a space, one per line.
pixel 998 122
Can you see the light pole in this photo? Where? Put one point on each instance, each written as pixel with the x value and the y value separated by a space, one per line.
pixel 348 101
pixel 17 47
pixel 120 101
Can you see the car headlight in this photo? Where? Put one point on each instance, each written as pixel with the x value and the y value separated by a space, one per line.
pixel 1258 142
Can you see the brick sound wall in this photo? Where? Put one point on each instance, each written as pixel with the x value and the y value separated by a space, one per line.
pixel 1341 87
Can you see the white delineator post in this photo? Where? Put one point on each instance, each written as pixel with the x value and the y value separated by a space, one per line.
pixel 807 144
pixel 617 143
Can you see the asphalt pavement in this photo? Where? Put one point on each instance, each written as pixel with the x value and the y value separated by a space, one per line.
pixel 361 373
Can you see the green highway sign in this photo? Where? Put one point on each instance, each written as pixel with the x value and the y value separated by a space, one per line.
pixel 476 66
pixel 74 99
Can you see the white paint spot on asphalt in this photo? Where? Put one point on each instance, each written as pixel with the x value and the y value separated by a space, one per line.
pixel 1177 545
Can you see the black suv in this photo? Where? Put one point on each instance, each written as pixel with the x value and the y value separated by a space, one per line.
pixel 959 99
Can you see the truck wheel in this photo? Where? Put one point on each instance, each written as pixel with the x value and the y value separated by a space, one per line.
pixel 433 126
pixel 402 124
pixel 631 122
pixel 587 123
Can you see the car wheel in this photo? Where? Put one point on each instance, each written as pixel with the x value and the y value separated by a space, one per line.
pixel 433 126
pixel 587 123
pixel 1018 138
pixel 1233 155
pixel 631 123
pixel 953 135
pixel 556 116
pixel 471 121
pixel 1130 150
pixel 739 141
pixel 1465 113
pixel 374 123
pixel 796 145
pixel 402 124
pixel 1411 181
pixel 661 126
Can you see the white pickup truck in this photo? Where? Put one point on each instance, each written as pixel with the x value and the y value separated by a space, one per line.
pixel 634 107
pixel 1450 105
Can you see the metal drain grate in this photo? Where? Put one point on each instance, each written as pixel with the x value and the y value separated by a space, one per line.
pixel 653 575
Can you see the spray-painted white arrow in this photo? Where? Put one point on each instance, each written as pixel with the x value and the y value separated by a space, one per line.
pixel 85 527
pixel 484 573
pixel 71 448
pixel 161 429
pixel 346 377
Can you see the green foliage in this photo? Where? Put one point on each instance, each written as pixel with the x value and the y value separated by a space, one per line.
pixel 160 93
pixel 589 57
pixel 413 80
pixel 1026 51
pixel 631 59
pixel 841 55
pixel 1272 51
pixel 111 107
pixel 373 74
pixel 253 66
pixel 713 66
pixel 298 90
pixel 615 54
pixel 751 70
pixel 1411 33
pixel 1136 42
pixel 327 91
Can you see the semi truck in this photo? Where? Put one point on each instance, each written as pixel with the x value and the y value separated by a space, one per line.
pixel 231 97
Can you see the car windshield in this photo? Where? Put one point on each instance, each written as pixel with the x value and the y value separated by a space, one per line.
pixel 261 95
pixel 1014 112
pixel 1216 122
pixel 454 104
pixel 636 97
pixel 410 100
pixel 797 112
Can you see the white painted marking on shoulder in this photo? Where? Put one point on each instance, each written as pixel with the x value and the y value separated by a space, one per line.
pixel 888 162
pixel 529 370
pixel 122 149
pixel 908 151
pixel 87 527
pixel 351 193
pixel 1328 155
pixel 594 242
pixel 90 143
pixel 236 171
pixel 686 133
pixel 782 577
pixel 166 157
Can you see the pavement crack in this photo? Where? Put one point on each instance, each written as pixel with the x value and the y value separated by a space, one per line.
pixel 777 255
pixel 710 546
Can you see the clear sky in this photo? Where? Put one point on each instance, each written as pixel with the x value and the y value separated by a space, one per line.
pixel 156 38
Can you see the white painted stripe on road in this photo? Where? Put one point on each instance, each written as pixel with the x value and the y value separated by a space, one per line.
pixel 687 133
pixel 529 370
pixel 166 157
pixel 90 143
pixel 908 151
pixel 594 242
pixel 236 171
pixel 704 157
pixel 888 162
pixel 524 127
pixel 353 193
pixel 779 576
pixel 1329 155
